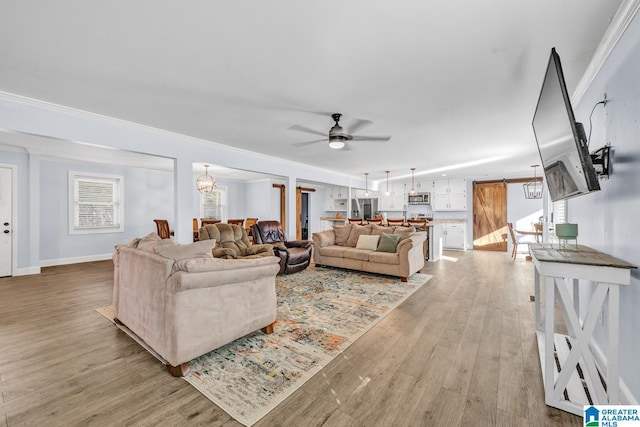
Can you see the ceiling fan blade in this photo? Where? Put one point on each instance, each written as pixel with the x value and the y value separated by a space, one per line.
pixel 359 124
pixel 307 130
pixel 371 138
pixel 302 144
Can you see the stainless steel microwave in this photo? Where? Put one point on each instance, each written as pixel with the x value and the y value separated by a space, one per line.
pixel 419 199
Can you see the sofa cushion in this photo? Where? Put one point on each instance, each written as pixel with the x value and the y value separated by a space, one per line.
pixel 342 234
pixel 384 257
pixel 388 243
pixel 358 254
pixel 366 241
pixel 356 232
pixel 148 242
pixel 170 249
pixel 334 251
pixel 199 265
pixel 379 229
pixel 226 253
pixel 404 232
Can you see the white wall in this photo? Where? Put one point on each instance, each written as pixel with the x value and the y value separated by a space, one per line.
pixel 521 212
pixel 148 194
pixel 28 116
pixel 608 220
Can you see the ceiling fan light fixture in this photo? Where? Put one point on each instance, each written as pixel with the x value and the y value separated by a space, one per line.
pixel 336 144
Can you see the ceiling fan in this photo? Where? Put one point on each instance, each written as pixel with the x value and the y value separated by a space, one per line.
pixel 337 135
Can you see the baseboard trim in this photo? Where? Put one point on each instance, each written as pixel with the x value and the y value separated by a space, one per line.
pixel 75 260
pixel 626 397
pixel 26 271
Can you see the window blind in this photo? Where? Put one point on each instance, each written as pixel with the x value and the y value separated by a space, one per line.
pixel 213 205
pixel 96 203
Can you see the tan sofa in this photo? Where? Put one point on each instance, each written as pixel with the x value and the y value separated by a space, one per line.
pixel 340 247
pixel 182 302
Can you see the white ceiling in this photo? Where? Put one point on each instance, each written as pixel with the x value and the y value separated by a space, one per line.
pixel 454 84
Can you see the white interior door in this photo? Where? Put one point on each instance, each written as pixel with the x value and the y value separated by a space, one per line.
pixel 6 223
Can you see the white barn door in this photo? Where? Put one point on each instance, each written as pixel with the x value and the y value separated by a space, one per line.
pixel 6 223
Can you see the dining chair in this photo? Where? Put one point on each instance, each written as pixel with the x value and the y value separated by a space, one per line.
pixel 163 230
pixel 206 221
pixel 196 227
pixel 356 221
pixel 239 221
pixel 515 240
pixel 248 223
pixel 377 221
pixel 395 221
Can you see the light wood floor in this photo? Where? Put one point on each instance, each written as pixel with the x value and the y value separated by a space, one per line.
pixel 460 351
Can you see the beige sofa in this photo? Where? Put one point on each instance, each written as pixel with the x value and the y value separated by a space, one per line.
pixel 182 302
pixel 345 248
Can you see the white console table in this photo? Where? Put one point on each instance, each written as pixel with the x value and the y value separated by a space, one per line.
pixel 565 386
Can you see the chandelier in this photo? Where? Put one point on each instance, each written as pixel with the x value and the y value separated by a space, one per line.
pixel 205 183
pixel 533 189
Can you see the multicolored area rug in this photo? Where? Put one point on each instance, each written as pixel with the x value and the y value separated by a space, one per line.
pixel 321 311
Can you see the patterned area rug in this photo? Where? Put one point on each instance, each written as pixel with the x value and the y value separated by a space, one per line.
pixel 321 311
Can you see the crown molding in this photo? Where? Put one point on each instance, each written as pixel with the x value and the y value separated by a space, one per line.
pixel 619 24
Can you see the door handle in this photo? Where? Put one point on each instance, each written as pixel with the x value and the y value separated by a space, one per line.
pixel 6 231
pixel 6 224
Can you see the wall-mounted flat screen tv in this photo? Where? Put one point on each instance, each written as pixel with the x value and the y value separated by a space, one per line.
pixel 562 142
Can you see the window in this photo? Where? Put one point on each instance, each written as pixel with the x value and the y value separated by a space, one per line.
pixel 558 215
pixel 95 203
pixel 214 204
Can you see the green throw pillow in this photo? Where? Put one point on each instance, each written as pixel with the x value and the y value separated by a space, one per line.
pixel 388 242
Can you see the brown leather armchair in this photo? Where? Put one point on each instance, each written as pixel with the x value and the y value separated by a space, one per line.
pixel 295 255
pixel 232 242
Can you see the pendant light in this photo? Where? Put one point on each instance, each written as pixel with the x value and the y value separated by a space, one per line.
pixel 533 189
pixel 386 193
pixel 413 188
pixel 205 183
pixel 366 184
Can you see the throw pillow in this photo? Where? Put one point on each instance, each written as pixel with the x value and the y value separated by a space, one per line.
pixel 342 234
pixel 404 232
pixel 378 229
pixel 356 231
pixel 388 242
pixel 367 242
pixel 170 249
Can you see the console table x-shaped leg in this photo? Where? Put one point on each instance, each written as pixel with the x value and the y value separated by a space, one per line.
pixel 564 386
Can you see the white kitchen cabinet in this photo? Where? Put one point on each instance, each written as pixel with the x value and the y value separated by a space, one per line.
pixel 360 193
pixel 395 201
pixel 391 203
pixel 336 198
pixel 397 189
pixel 453 236
pixel 423 186
pixel 449 195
